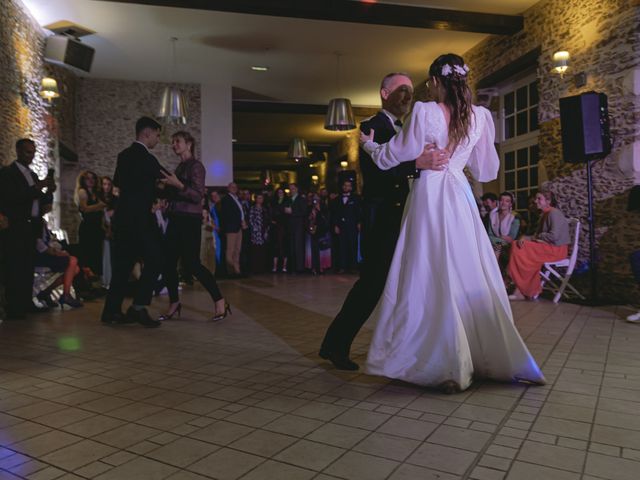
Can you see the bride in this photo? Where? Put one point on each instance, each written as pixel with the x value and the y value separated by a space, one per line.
pixel 444 316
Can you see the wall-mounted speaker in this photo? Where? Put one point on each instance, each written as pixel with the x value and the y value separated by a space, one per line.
pixel 584 121
pixel 68 51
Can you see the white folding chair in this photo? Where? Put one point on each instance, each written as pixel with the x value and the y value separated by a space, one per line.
pixel 552 278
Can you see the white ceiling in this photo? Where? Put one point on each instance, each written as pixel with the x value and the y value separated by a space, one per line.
pixel 132 42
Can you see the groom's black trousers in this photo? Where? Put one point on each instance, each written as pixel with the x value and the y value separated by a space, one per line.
pixel 381 230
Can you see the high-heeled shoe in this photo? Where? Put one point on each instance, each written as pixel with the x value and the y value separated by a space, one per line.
pixel 45 297
pixel 69 300
pixel 222 316
pixel 169 316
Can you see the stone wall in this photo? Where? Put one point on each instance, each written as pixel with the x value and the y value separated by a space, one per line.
pixel 603 38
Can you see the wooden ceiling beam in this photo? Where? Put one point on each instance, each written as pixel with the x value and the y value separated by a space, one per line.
pixel 372 13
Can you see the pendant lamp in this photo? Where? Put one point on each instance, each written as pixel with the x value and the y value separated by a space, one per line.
pixel 298 149
pixel 173 106
pixel 339 113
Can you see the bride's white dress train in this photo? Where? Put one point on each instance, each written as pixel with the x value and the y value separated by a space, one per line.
pixel 444 314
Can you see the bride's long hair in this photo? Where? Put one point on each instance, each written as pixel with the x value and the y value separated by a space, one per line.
pixel 451 72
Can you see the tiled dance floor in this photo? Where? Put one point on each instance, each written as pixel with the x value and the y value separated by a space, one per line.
pixel 247 398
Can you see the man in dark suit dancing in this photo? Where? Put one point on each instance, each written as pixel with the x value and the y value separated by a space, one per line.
pixel 135 233
pixel 20 194
pixel 384 196
pixel 346 224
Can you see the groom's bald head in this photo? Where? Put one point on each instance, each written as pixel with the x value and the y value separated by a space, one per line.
pixel 396 93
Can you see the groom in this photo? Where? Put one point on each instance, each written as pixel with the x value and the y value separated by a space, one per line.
pixel 384 195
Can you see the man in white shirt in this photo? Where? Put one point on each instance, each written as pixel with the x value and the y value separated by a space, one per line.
pixel 20 193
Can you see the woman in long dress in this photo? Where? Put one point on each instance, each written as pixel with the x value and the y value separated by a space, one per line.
pixel 444 317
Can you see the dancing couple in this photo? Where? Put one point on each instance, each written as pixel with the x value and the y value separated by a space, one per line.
pixel 430 280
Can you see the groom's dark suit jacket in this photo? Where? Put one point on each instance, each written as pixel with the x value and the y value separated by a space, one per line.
pixel 384 196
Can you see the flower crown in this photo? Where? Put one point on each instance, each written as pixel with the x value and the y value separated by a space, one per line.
pixel 448 70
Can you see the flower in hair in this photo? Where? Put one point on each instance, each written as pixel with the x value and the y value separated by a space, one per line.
pixel 446 70
pixel 461 70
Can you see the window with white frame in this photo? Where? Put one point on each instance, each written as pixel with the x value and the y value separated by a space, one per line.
pixel 518 136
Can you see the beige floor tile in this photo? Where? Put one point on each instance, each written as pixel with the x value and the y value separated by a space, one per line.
pixel 477 412
pixel 460 438
pixel 387 446
pixel 126 435
pixel 183 452
pixel 51 473
pixel 139 469
pixel 20 431
pixel 567 428
pixel 135 411
pixel 432 405
pixel 612 468
pixel 221 433
pixel 361 419
pixel 312 455
pixel 45 443
pixel 412 472
pixel 438 457
pixel 254 417
pixel 277 470
pixel 568 412
pixel 293 425
pixel 77 455
pixel 358 466
pixel 552 456
pixel 263 443
pixel 338 435
pixel 408 428
pixel 226 464
pixel 166 419
pixel 320 411
pixel 37 409
pixel 528 471
pixel 93 426
pixel 620 437
pixel 200 405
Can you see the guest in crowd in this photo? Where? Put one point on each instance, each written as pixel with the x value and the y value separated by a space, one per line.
pixel 108 196
pixel 90 232
pixel 258 226
pixel 503 228
pixel 548 244
pixel 207 241
pixel 346 225
pixel 185 190
pixel 297 213
pixel 245 249
pixel 279 228
pixel 214 212
pixel 489 204
pixel 233 223
pixel 51 254
pixel 530 226
pixel 20 194
pixel 134 232
pixel 318 228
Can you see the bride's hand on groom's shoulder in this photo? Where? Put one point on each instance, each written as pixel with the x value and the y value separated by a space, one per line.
pixel 366 138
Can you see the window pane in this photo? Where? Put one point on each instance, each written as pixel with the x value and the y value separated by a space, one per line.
pixel 522 123
pixel 533 93
pixel 522 199
pixel 533 155
pixel 523 155
pixel 533 119
pixel 522 98
pixel 510 127
pixel 508 103
pixel 523 178
pixel 534 176
pixel 509 180
pixel 510 161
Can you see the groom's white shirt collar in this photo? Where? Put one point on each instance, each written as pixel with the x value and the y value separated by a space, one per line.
pixel 393 119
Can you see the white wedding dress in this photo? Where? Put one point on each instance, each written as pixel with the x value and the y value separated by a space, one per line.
pixel 444 314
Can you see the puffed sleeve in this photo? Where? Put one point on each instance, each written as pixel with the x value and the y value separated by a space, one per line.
pixel 484 161
pixel 405 146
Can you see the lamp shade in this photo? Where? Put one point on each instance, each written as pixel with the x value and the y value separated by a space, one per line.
pixel 298 149
pixel 561 62
pixel 49 88
pixel 173 107
pixel 339 115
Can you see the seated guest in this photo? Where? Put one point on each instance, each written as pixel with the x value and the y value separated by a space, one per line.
pixel 548 244
pixel 51 255
pixel 503 228
pixel 489 204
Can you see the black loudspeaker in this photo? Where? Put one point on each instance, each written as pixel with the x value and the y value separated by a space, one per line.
pixel 345 175
pixel 585 127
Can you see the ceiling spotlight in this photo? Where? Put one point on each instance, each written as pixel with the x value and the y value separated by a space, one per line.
pixel 259 68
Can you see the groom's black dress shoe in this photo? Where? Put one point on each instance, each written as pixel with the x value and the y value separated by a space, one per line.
pixel 341 362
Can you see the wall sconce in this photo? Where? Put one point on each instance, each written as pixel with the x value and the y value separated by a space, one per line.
pixel 49 89
pixel 561 62
pixel 344 164
pixel 314 178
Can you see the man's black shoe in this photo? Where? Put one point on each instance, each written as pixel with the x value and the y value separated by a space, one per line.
pixel 142 317
pixel 115 318
pixel 341 362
